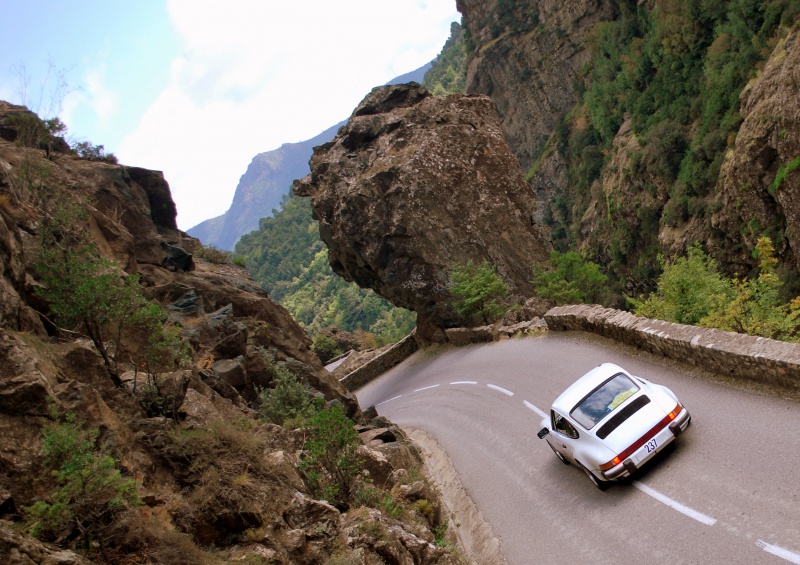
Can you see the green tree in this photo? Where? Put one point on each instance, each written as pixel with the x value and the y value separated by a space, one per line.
pixel 331 465
pixel 448 72
pixel 571 280
pixel 478 290
pixel 90 294
pixel 689 289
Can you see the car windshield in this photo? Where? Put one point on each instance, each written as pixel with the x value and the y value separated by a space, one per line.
pixel 604 400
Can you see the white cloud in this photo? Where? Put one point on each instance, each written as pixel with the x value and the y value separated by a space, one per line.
pixel 253 75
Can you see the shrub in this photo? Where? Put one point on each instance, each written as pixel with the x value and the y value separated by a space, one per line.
pixel 224 469
pixel 782 173
pixel 570 279
pixel 331 465
pixel 756 307
pixel 288 400
pixel 89 293
pixel 85 150
pixel 689 289
pixel 477 289
pixel 326 347
pixel 91 490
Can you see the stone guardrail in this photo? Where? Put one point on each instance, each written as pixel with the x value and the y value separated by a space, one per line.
pixel 743 356
pixel 380 364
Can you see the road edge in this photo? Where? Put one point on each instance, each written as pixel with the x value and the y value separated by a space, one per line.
pixel 475 535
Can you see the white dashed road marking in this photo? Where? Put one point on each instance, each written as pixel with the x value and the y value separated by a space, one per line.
pixel 464 383
pixel 534 408
pixel 664 499
pixel 789 556
pixel 501 389
pixel 385 401
pixel 426 388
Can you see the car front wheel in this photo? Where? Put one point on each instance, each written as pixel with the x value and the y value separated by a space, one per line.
pixel 602 485
pixel 558 454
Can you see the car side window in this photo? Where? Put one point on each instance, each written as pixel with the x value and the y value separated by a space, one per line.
pixel 561 425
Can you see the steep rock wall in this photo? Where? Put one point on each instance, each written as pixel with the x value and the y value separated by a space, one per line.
pixel 528 58
pixel 752 202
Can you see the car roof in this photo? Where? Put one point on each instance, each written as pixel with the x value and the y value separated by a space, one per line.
pixel 578 390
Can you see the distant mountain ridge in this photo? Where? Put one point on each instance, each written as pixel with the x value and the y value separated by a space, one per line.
pixel 267 179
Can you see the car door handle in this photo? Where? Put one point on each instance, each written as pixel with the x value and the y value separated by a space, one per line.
pixel 564 446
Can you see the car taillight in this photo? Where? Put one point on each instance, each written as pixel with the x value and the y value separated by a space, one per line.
pixel 613 463
pixel 674 414
pixel 642 440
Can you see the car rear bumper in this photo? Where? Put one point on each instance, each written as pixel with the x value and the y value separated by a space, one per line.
pixel 663 438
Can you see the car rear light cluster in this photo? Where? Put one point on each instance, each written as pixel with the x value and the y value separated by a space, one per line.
pixel 642 440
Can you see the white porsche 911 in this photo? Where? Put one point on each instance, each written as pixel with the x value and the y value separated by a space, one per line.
pixel 609 423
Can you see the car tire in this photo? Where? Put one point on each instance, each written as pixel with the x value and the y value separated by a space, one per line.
pixel 558 454
pixel 602 485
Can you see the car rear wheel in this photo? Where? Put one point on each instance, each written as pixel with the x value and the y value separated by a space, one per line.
pixel 602 485
pixel 558 454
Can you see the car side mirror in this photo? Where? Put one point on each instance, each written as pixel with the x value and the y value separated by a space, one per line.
pixel 543 432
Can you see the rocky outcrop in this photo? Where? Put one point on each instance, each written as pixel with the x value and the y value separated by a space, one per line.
pixel 753 198
pixel 415 183
pixel 528 58
pixel 206 471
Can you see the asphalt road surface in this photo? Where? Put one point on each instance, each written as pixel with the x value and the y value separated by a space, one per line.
pixel 726 491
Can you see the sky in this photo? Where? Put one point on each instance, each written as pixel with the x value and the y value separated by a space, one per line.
pixel 197 88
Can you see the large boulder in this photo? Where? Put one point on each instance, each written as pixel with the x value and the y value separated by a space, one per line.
pixel 415 183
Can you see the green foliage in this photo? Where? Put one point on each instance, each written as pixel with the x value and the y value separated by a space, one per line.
pixel 85 150
pixel 689 289
pixel 287 401
pixel 756 307
pixel 571 280
pixel 477 290
pixel 89 293
pixel 220 257
pixel 448 72
pixel 326 348
pixel 676 68
pixel 91 490
pixel 782 173
pixel 287 258
pixel 331 465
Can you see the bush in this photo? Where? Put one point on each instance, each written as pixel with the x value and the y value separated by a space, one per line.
pixel 225 472
pixel 91 490
pixel 571 280
pixel 689 289
pixel 477 289
pixel 288 400
pixel 326 347
pixel 89 293
pixel 85 150
pixel 331 465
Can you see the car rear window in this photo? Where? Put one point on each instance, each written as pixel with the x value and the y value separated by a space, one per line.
pixel 603 400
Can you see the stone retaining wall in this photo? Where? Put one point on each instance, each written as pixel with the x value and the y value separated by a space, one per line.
pixel 380 364
pixel 755 358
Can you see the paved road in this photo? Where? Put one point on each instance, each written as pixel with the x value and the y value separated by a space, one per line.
pixel 725 492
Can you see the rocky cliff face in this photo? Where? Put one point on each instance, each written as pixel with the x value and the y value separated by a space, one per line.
pixel 528 57
pixel 413 184
pixel 207 473
pixel 759 187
